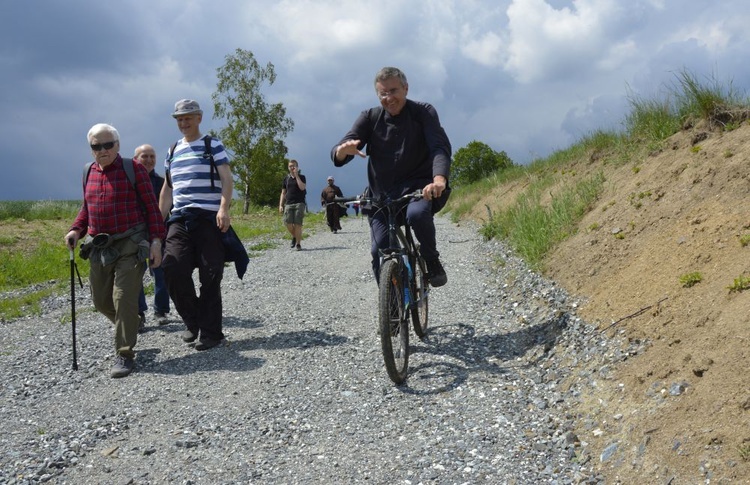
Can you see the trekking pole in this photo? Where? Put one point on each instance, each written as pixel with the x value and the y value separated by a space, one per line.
pixel 73 302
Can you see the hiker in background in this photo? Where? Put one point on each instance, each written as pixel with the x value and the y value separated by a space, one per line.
pixel 121 216
pixel 409 150
pixel 332 209
pixel 147 156
pixel 292 202
pixel 198 192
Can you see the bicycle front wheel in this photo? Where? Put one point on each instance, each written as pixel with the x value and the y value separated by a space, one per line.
pixel 419 308
pixel 394 321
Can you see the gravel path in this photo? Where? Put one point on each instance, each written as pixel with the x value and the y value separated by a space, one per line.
pixel 299 394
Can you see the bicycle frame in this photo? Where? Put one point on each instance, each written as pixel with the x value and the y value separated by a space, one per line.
pixel 402 285
pixel 400 241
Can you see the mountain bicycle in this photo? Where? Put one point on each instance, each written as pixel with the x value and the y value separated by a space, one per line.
pixel 403 284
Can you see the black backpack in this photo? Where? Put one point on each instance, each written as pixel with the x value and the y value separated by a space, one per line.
pixel 207 153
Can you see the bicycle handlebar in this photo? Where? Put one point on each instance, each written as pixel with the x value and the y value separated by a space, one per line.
pixel 417 194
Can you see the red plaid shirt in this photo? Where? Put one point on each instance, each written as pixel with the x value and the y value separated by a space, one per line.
pixel 111 206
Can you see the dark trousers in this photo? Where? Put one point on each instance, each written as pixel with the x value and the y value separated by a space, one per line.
pixel 333 217
pixel 419 217
pixel 161 295
pixel 197 245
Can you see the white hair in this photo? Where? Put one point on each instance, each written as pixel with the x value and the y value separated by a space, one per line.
pixel 100 128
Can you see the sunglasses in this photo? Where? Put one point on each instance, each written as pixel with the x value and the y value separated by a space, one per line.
pixel 103 146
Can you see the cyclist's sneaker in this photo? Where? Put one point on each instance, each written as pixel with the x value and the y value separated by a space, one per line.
pixel 294 242
pixel 299 248
pixel 161 318
pixel 142 324
pixel 122 367
pixel 436 273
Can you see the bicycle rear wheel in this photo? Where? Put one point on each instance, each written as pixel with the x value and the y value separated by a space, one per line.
pixel 419 308
pixel 394 321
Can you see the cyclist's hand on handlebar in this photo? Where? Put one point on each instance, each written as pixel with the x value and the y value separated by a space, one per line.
pixel 348 148
pixel 435 189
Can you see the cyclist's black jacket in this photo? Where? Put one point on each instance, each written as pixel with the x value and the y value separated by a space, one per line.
pixel 405 151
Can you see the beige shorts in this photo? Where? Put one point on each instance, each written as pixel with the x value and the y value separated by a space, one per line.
pixel 294 213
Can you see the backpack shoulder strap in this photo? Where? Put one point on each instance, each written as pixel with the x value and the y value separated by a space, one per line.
pixel 208 153
pixel 86 171
pixel 374 114
pixel 127 164
pixel 167 177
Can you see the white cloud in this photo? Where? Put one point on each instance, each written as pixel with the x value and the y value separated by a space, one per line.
pixel 487 50
pixel 546 43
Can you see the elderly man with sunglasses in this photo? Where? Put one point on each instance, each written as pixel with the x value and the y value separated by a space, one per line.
pixel 408 150
pixel 124 227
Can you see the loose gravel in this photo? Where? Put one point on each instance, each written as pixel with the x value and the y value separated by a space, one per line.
pixel 299 392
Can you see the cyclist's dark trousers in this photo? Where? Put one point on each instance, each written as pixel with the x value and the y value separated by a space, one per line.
pixel 419 216
pixel 200 247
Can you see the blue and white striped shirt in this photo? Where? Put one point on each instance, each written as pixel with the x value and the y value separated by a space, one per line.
pixel 190 172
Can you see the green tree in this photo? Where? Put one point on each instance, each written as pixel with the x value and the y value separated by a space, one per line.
pixel 255 130
pixel 476 161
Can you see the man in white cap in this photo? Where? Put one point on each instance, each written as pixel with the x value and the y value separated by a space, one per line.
pixel 332 209
pixel 196 196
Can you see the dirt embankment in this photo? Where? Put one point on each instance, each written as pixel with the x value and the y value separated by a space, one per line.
pixel 681 410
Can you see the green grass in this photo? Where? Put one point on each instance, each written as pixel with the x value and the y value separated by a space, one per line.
pixel 47 262
pixel 690 279
pixel 464 198
pixel 741 283
pixel 39 210
pixel 533 228
pixel 744 451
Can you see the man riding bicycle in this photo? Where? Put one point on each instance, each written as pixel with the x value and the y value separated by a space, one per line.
pixel 408 150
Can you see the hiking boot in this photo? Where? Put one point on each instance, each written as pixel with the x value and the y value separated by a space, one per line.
pixel 188 336
pixel 161 318
pixel 436 273
pixel 122 367
pixel 207 343
pixel 142 325
pixel 294 242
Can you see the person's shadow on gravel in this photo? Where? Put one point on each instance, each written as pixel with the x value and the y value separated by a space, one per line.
pixel 290 340
pixel 221 358
pixel 469 354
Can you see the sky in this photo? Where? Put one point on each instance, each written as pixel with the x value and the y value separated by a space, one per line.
pixel 527 77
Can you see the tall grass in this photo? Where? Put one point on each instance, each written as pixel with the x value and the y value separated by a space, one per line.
pixel 464 198
pixel 711 100
pixel 39 210
pixel 533 228
pixel 686 101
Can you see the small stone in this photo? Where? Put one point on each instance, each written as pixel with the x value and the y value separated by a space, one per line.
pixel 608 452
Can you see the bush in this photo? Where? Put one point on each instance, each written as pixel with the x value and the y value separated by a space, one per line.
pixel 476 161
